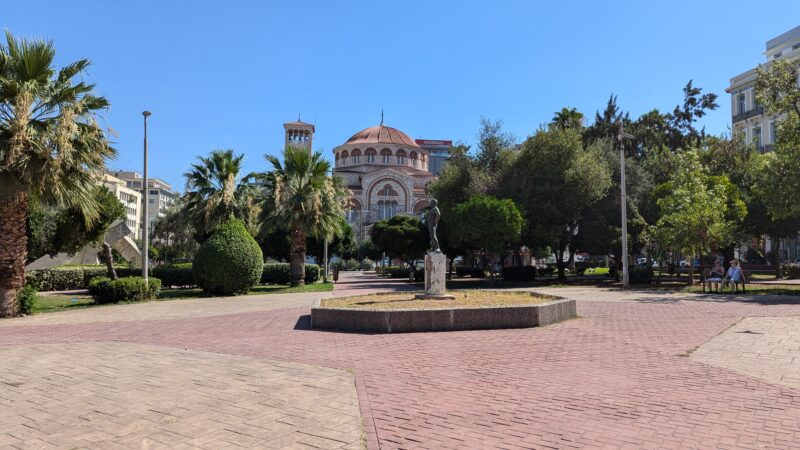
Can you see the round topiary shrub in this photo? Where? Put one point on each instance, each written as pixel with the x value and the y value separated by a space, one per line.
pixel 229 261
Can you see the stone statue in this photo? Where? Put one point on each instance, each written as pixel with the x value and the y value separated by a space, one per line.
pixel 433 220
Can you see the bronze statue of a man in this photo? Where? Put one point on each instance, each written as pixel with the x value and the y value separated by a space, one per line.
pixel 433 220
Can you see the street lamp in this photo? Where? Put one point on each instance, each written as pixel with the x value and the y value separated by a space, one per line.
pixel 146 200
pixel 624 203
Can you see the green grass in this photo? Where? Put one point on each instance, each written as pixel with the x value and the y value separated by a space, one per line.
pixel 167 294
pixel 756 289
pixel 53 303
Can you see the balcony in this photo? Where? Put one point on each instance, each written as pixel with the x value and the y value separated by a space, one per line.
pixel 757 111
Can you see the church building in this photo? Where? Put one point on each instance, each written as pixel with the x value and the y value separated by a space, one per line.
pixel 386 171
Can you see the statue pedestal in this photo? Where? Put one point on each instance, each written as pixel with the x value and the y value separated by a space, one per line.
pixel 435 275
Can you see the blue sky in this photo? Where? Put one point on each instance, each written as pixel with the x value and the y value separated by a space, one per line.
pixel 228 74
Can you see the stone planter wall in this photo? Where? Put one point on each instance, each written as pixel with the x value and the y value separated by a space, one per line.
pixel 404 321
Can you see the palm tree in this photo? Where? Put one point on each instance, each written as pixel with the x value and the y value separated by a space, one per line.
pixel 568 118
pixel 306 200
pixel 51 148
pixel 216 191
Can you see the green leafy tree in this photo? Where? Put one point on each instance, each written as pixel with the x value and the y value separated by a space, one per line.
pixel 173 235
pixel 402 237
pixel 492 143
pixel 555 181
pixel 305 199
pixel 778 91
pixel 216 190
pixel 48 132
pixel 486 224
pixel 696 210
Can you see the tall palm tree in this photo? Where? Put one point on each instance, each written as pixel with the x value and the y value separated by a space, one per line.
pixel 568 118
pixel 51 148
pixel 306 200
pixel 216 190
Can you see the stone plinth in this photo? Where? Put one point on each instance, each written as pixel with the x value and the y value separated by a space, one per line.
pixel 452 319
pixel 435 276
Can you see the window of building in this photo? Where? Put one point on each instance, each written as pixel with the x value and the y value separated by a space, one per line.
pixel 356 159
pixel 401 160
pixel 757 135
pixel 795 46
pixel 777 55
pixel 153 192
pixel 370 159
pixel 773 132
pixel 740 100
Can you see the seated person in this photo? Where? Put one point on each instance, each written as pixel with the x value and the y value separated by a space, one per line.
pixel 734 275
pixel 716 275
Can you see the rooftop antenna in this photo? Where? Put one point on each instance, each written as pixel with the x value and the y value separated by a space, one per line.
pixel 381 117
pixel 298 117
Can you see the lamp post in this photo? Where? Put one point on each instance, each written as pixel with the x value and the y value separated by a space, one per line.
pixel 146 200
pixel 624 204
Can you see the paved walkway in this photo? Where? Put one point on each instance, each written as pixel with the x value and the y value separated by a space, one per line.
pixel 618 377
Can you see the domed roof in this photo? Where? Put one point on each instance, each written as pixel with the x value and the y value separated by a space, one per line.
pixel 381 134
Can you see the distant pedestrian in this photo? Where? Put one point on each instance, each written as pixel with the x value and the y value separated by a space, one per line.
pixel 734 275
pixel 716 276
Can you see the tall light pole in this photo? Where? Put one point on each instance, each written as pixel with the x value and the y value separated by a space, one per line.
pixel 624 203
pixel 146 200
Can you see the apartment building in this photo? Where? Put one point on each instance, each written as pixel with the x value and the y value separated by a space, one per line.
pixel 131 199
pixel 748 117
pixel 158 194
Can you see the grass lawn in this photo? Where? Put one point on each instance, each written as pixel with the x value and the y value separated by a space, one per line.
pixel 178 293
pixel 463 299
pixel 756 289
pixel 53 303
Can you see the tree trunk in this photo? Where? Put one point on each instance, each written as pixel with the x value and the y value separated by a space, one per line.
pixel 297 258
pixel 109 256
pixel 560 265
pixel 13 251
pixel 691 270
pixel 776 257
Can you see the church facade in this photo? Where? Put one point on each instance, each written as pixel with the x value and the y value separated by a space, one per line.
pixel 387 173
pixel 385 170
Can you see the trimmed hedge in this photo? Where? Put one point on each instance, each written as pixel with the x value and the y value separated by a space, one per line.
pixel 519 273
pixel 402 272
pixel 65 278
pixel 175 275
pixel 474 272
pixel 229 261
pixel 279 273
pixel 128 289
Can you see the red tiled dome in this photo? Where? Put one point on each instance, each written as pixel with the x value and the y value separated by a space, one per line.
pixel 381 134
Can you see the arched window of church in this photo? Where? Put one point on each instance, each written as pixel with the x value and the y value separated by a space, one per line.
pixel 401 157
pixel 413 157
pixel 386 154
pixel 370 152
pixel 345 155
pixel 356 156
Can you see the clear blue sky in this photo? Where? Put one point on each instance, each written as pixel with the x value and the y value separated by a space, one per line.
pixel 228 74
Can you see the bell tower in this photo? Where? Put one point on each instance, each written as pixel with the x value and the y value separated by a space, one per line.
pixel 299 134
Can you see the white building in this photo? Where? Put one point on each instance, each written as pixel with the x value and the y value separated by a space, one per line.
pixel 159 194
pixel 748 117
pixel 130 199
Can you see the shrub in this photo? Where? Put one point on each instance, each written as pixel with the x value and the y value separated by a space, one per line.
pixel 547 270
pixel 402 272
pixel 65 278
pixel 279 273
pixel 519 273
pixel 353 264
pixel 474 272
pixel 229 261
pixel 128 289
pixel 791 271
pixel 640 275
pixel 27 300
pixel 175 275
